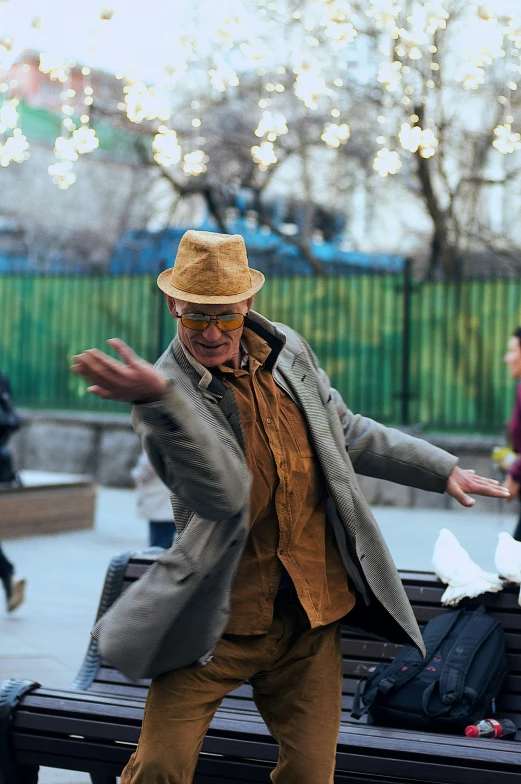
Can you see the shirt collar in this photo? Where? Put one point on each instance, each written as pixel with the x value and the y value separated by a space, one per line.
pixel 254 352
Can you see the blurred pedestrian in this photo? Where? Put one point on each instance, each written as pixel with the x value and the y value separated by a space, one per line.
pixel 10 422
pixel 513 478
pixel 153 503
pixel 14 587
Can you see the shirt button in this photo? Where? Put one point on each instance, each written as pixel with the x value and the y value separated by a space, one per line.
pixel 272 589
pixel 281 551
pixel 268 421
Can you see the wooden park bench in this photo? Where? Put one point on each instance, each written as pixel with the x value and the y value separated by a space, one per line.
pixel 94 726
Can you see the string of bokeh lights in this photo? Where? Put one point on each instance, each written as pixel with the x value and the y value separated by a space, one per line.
pixel 309 59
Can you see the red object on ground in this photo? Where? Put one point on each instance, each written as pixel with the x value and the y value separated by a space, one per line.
pixel 490 728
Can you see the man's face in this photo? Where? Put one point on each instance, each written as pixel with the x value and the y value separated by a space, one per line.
pixel 513 357
pixel 211 346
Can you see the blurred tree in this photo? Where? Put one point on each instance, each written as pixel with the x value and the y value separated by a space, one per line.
pixel 324 97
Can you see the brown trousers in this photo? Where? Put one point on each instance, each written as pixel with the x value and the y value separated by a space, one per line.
pixel 296 675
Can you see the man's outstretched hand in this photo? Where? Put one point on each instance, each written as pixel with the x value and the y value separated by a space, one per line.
pixel 132 380
pixel 461 483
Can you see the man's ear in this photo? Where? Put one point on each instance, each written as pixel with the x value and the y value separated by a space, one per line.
pixel 170 301
pixel 249 302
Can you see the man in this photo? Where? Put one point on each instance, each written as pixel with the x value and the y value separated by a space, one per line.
pixel 260 454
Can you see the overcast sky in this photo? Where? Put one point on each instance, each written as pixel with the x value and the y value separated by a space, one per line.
pixel 140 34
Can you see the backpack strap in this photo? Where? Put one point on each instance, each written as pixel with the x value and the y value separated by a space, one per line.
pixel 434 634
pixel 460 657
pixel 358 710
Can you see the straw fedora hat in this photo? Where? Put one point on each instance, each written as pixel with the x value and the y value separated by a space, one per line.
pixel 211 268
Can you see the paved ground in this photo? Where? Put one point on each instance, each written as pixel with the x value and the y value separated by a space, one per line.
pixel 45 640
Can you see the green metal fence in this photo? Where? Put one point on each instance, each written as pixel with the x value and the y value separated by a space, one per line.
pixel 459 335
pixel 423 353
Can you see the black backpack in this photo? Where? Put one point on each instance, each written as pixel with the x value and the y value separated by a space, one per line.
pixel 455 685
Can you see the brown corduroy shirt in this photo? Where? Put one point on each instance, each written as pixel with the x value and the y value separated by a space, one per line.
pixel 288 524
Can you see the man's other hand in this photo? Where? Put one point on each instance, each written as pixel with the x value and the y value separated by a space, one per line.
pixel 132 380
pixel 461 483
pixel 512 486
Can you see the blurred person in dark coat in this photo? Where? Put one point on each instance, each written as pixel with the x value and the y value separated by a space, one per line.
pixel 10 422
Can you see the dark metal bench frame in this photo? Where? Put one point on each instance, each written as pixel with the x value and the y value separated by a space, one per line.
pixel 95 725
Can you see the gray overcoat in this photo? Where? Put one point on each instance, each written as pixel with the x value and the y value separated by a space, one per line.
pixel 176 612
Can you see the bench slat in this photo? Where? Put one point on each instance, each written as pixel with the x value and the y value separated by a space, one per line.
pixel 91 728
pixel 80 702
pixel 123 690
pixel 108 674
pixel 251 721
pixel 86 753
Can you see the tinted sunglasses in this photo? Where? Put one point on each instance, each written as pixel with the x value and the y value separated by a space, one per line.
pixel 225 321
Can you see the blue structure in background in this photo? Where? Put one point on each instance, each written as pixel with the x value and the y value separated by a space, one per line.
pixel 140 252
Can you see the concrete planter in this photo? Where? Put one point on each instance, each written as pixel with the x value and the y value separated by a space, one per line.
pixel 101 445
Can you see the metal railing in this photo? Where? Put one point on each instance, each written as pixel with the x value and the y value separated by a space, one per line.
pixel 399 351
